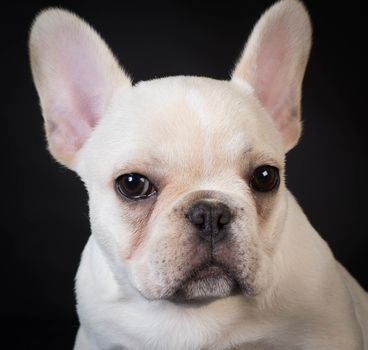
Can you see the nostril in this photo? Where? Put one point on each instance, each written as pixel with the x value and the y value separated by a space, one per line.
pixel 224 217
pixel 197 217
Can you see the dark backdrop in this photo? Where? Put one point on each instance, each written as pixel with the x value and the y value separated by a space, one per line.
pixel 45 223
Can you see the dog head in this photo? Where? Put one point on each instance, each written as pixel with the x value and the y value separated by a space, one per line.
pixel 185 175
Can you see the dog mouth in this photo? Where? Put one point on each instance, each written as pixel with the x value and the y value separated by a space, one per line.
pixel 207 281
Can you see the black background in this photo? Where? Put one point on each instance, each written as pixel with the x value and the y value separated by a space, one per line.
pixel 45 223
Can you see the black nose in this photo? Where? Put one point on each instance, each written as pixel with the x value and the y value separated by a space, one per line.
pixel 211 219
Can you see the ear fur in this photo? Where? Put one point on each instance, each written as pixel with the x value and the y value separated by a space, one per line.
pixel 274 62
pixel 75 75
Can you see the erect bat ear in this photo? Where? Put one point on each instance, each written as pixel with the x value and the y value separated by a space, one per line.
pixel 75 75
pixel 274 61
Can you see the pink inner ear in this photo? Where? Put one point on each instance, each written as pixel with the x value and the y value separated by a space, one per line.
pixel 82 87
pixel 87 80
pixel 66 135
pixel 275 85
pixel 272 66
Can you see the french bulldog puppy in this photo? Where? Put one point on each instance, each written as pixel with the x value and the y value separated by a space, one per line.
pixel 196 242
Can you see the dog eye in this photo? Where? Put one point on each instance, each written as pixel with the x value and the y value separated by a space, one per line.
pixel 134 186
pixel 265 178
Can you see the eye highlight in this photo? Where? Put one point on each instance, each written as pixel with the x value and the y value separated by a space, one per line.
pixel 134 186
pixel 265 178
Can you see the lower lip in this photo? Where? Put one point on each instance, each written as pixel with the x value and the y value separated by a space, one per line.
pixel 207 272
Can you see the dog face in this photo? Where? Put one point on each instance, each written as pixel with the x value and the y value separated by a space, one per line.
pixel 200 167
pixel 185 175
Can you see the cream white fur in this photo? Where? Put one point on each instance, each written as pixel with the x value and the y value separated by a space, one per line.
pixel 197 134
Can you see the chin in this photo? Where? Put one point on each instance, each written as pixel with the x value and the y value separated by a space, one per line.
pixel 205 283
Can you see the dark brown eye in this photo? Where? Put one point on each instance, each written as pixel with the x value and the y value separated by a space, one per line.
pixel 134 186
pixel 265 178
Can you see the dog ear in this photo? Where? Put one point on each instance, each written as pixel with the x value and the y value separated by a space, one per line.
pixel 75 75
pixel 274 62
